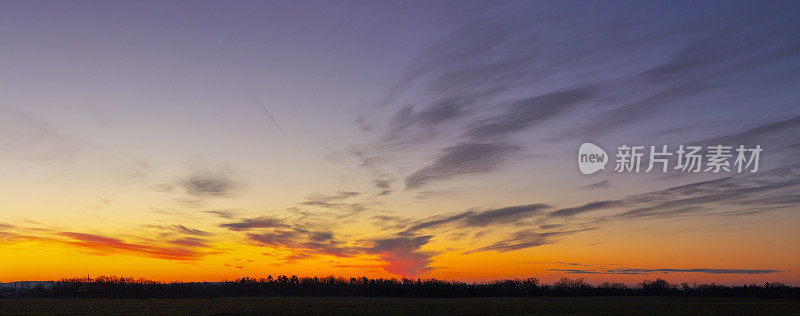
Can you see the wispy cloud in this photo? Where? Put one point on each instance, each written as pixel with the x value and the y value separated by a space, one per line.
pixel 383 185
pixel 209 183
pixel 303 241
pixel 464 158
pixel 189 242
pixel 765 189
pixel 107 245
pixel 776 135
pixel 179 229
pixel 222 213
pixel 306 240
pixel 253 223
pixel 202 185
pixel 591 206
pixel 504 215
pixel 598 185
pixel 527 239
pixel 336 201
pixel 296 236
pixel 482 82
pixel 664 270
pixel 25 137
pixel 525 113
pixel 478 219
pixel 321 199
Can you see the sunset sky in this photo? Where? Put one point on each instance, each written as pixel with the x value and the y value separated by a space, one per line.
pixel 210 140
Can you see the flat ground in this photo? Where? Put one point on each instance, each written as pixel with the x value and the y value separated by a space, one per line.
pixel 403 306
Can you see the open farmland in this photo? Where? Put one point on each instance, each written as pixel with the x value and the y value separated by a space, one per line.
pixel 404 306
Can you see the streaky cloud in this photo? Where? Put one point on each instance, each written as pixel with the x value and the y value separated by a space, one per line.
pixel 504 215
pixel 527 239
pixel 108 245
pixel 469 219
pixel 665 270
pixel 591 206
pixel 527 112
pixel 464 158
pixel 180 229
pixel 253 223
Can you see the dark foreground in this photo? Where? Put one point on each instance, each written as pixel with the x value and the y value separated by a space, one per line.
pixel 404 306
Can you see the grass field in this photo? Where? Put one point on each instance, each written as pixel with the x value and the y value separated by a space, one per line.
pixel 403 306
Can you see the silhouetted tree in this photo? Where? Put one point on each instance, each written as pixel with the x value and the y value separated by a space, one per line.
pixel 116 287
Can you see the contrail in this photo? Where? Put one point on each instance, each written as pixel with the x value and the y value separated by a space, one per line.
pixel 244 81
pixel 262 106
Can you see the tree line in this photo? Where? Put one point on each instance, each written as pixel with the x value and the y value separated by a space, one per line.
pixel 120 287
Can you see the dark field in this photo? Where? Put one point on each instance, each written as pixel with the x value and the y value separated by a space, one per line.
pixel 405 306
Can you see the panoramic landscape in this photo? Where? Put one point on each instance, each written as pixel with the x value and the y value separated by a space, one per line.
pixel 396 157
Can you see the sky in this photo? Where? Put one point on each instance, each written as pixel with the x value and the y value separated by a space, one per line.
pixel 210 140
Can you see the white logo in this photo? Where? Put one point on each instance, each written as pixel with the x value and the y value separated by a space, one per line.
pixel 591 158
pixel 687 158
